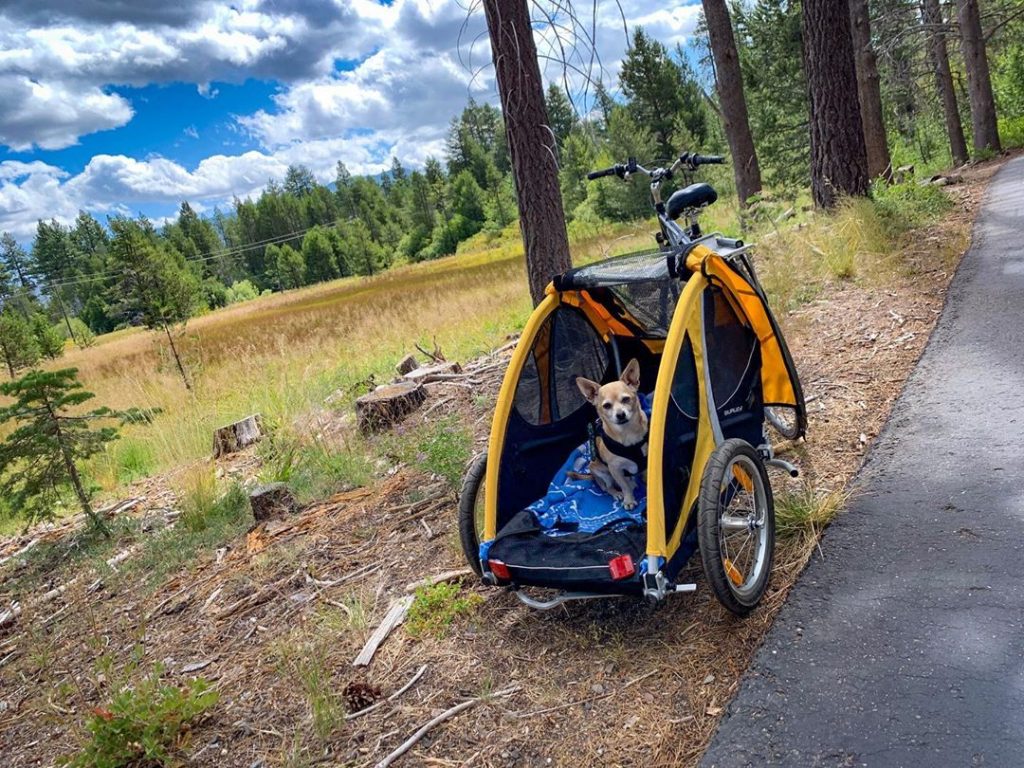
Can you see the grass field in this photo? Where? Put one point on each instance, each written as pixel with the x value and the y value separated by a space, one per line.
pixel 282 355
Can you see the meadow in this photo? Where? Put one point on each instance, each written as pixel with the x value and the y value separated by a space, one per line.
pixel 285 354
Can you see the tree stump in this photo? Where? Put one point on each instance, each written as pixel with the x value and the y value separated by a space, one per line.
pixel 234 437
pixel 406 365
pixel 271 500
pixel 387 404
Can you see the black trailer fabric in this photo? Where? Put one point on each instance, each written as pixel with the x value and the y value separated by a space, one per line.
pixel 549 416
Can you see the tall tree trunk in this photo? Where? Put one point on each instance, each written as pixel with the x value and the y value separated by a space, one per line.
pixel 7 359
pixel 938 56
pixel 72 470
pixel 531 142
pixel 869 92
pixel 177 358
pixel 729 84
pixel 64 314
pixel 839 161
pixel 979 84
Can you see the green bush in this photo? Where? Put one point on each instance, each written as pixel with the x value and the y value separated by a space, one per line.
pixel 908 205
pixel 145 725
pixel 243 290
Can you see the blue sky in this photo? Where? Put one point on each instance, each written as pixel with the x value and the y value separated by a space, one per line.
pixel 134 105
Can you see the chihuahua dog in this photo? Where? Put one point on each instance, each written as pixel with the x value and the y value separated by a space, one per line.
pixel 622 442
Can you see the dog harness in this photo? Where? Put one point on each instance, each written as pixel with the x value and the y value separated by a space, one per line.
pixel 634 453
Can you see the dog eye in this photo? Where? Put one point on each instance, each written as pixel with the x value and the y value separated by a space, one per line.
pixel 625 398
pixel 606 406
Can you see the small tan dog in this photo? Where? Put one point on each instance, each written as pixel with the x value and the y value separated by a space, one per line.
pixel 622 444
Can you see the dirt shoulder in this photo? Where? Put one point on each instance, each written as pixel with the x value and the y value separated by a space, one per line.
pixel 276 618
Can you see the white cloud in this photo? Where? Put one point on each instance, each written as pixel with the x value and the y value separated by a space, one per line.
pixel 360 81
pixel 53 115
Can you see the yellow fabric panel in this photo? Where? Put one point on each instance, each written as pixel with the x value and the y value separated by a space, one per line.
pixel 705 434
pixel 689 302
pixel 503 408
pixel 775 379
pixel 597 314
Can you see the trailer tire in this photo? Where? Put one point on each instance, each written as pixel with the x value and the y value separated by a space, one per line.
pixel 471 511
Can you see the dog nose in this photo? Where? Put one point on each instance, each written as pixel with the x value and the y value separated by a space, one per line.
pixel 621 418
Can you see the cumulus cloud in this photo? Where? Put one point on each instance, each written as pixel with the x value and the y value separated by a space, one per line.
pixel 53 115
pixel 360 80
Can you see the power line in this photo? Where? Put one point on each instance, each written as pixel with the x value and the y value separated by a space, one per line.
pixel 231 252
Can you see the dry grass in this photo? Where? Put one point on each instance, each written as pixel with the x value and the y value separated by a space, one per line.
pixel 282 355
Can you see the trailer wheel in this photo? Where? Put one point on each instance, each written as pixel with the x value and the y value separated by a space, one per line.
pixel 736 525
pixel 471 511
pixel 783 420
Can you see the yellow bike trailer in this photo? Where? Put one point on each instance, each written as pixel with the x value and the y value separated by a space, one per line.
pixel 714 366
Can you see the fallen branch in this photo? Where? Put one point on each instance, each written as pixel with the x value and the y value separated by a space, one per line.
pixel 21 551
pixel 392 697
pixel 9 616
pixel 430 581
pixel 409 743
pixel 395 616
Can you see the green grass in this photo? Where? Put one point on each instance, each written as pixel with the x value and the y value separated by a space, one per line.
pixel 805 512
pixel 209 518
pixel 441 447
pixel 303 658
pixel 313 468
pixel 436 608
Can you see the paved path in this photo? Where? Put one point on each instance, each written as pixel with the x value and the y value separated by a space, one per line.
pixel 905 645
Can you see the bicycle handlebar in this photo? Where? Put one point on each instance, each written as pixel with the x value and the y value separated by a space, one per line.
pixel 704 159
pixel 615 170
pixel 687 158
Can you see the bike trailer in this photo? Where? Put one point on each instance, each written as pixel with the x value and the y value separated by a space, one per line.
pixel 712 358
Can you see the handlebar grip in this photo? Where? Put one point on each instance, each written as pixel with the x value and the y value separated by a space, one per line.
pixel 601 174
pixel 708 160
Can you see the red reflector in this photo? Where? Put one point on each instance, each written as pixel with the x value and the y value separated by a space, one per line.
pixel 622 567
pixel 499 569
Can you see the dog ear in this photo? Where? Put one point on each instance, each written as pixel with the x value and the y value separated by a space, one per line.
pixel 588 388
pixel 631 374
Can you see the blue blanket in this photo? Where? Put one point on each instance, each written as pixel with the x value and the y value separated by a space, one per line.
pixel 572 506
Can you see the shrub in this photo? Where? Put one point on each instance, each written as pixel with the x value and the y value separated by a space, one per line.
pixel 243 290
pixel 144 725
pixel 907 205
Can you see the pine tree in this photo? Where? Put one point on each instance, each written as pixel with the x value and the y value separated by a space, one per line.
pixel 839 162
pixel 18 344
pixel 985 128
pixel 938 57
pixel 869 91
pixel 51 435
pixel 151 286
pixel 729 86
pixel 16 260
pixel 531 145
pixel 319 256
pixel 291 267
pixel 560 112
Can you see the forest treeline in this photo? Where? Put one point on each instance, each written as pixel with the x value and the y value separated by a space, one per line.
pixel 920 56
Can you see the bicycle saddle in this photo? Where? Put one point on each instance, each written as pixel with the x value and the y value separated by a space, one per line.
pixel 693 196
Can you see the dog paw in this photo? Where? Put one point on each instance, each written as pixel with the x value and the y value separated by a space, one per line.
pixel 629 503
